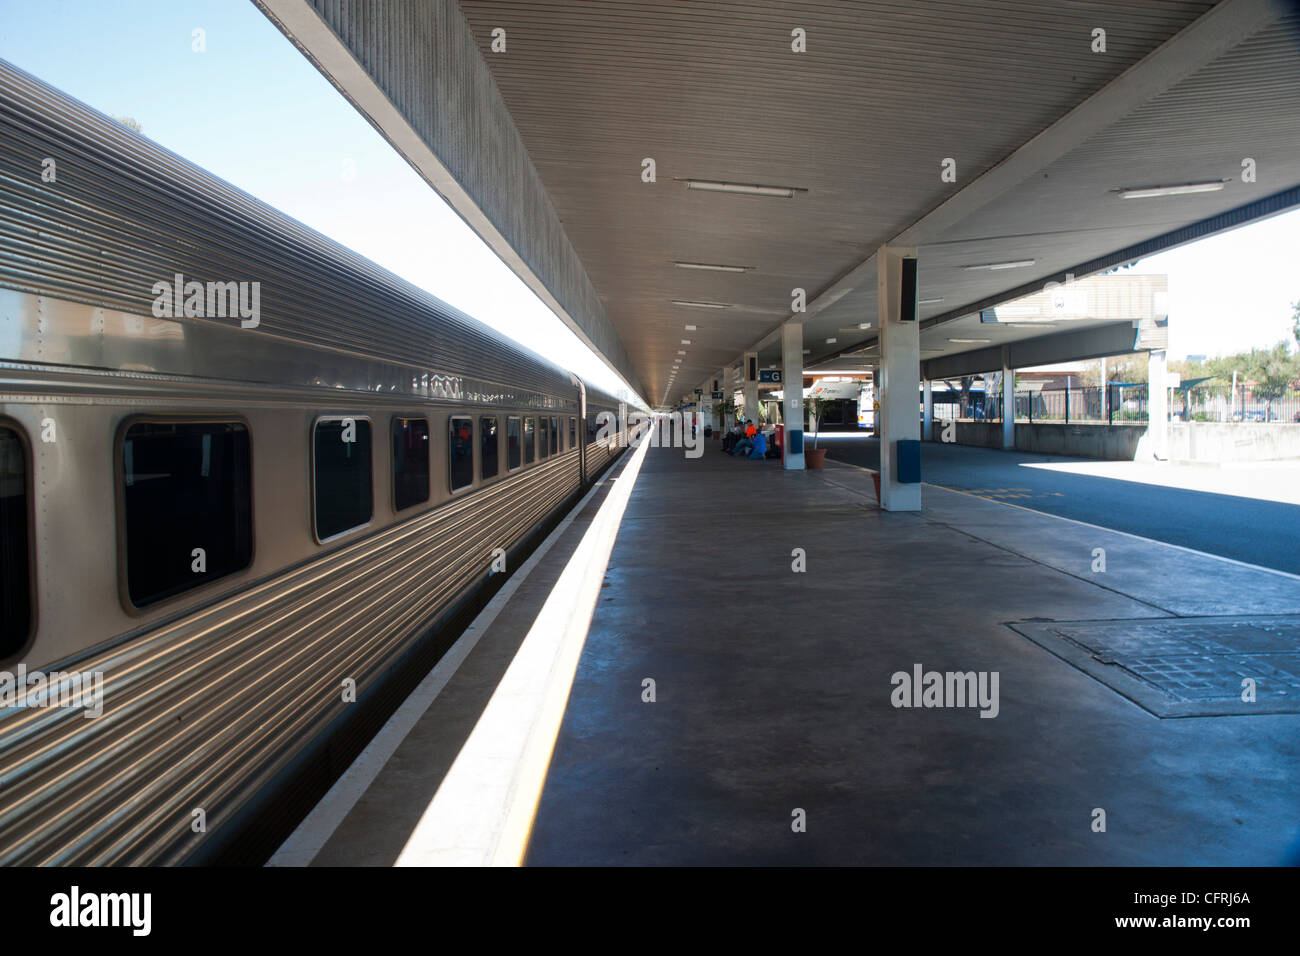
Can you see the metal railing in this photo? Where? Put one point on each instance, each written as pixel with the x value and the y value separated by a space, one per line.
pixel 1095 403
pixel 1116 404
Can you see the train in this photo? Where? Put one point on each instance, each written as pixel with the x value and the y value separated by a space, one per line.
pixel 253 484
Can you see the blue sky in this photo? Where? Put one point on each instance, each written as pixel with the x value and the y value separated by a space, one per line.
pixel 253 111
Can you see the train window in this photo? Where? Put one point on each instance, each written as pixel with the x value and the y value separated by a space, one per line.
pixel 341 467
pixel 460 451
pixel 555 435
pixel 530 428
pixel 573 433
pixel 187 506
pixel 410 462
pixel 15 553
pixel 543 437
pixel 489 447
pixel 513 450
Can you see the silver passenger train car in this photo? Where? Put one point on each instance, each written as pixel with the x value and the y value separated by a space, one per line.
pixel 251 483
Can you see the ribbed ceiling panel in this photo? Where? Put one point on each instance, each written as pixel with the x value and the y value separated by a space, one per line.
pixel 887 89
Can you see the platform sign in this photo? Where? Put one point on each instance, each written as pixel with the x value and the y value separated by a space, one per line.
pixel 771 376
pixel 716 396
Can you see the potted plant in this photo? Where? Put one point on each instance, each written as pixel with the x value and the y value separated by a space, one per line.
pixel 728 409
pixel 814 456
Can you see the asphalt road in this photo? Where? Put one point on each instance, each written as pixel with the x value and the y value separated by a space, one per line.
pixel 1265 533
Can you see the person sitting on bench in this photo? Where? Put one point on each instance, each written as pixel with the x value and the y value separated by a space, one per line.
pixel 746 443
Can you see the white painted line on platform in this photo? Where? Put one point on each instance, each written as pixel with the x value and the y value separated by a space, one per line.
pixel 483 812
pixel 319 825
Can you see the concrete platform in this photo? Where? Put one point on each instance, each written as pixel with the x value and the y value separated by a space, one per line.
pixel 773 692
pixel 773 689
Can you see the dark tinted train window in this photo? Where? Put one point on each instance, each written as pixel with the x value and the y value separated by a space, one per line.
pixel 543 437
pixel 513 451
pixel 530 425
pixel 490 443
pixel 188 507
pixel 555 435
pixel 15 572
pixel 573 433
pixel 341 464
pixel 410 462
pixel 460 452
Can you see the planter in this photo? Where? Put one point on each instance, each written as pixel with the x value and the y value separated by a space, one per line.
pixel 875 480
pixel 813 457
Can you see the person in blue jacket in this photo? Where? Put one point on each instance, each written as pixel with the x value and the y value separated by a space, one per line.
pixel 759 451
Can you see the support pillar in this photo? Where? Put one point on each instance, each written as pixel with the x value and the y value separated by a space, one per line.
pixel 1008 401
pixel 750 371
pixel 724 421
pixel 792 390
pixel 900 380
pixel 927 414
pixel 1157 405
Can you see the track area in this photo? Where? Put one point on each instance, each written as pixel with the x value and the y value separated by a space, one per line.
pixel 1230 525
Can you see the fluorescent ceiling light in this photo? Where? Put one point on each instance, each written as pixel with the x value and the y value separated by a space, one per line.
pixel 864 325
pixel 830 341
pixel 1017 310
pixel 681 351
pixel 709 267
pixel 686 341
pixel 1027 325
pixel 1014 264
pixel 701 305
pixel 1182 189
pixel 929 301
pixel 746 189
pixel 970 341
pixel 690 328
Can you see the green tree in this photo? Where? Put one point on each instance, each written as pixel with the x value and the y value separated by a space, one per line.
pixel 1127 368
pixel 1295 321
pixel 1272 373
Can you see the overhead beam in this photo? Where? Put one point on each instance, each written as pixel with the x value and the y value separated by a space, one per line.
pixel 1118 338
pixel 414 71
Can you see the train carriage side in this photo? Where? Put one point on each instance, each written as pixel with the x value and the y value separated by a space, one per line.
pixel 240 535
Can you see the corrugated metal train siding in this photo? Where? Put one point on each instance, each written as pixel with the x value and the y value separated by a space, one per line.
pixel 199 713
pixel 126 213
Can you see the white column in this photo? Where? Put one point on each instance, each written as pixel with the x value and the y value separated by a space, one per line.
pixel 792 387
pixel 1157 405
pixel 900 380
pixel 751 386
pixel 927 422
pixel 1008 401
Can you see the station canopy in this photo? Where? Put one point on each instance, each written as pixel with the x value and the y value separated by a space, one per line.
pixel 1010 141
